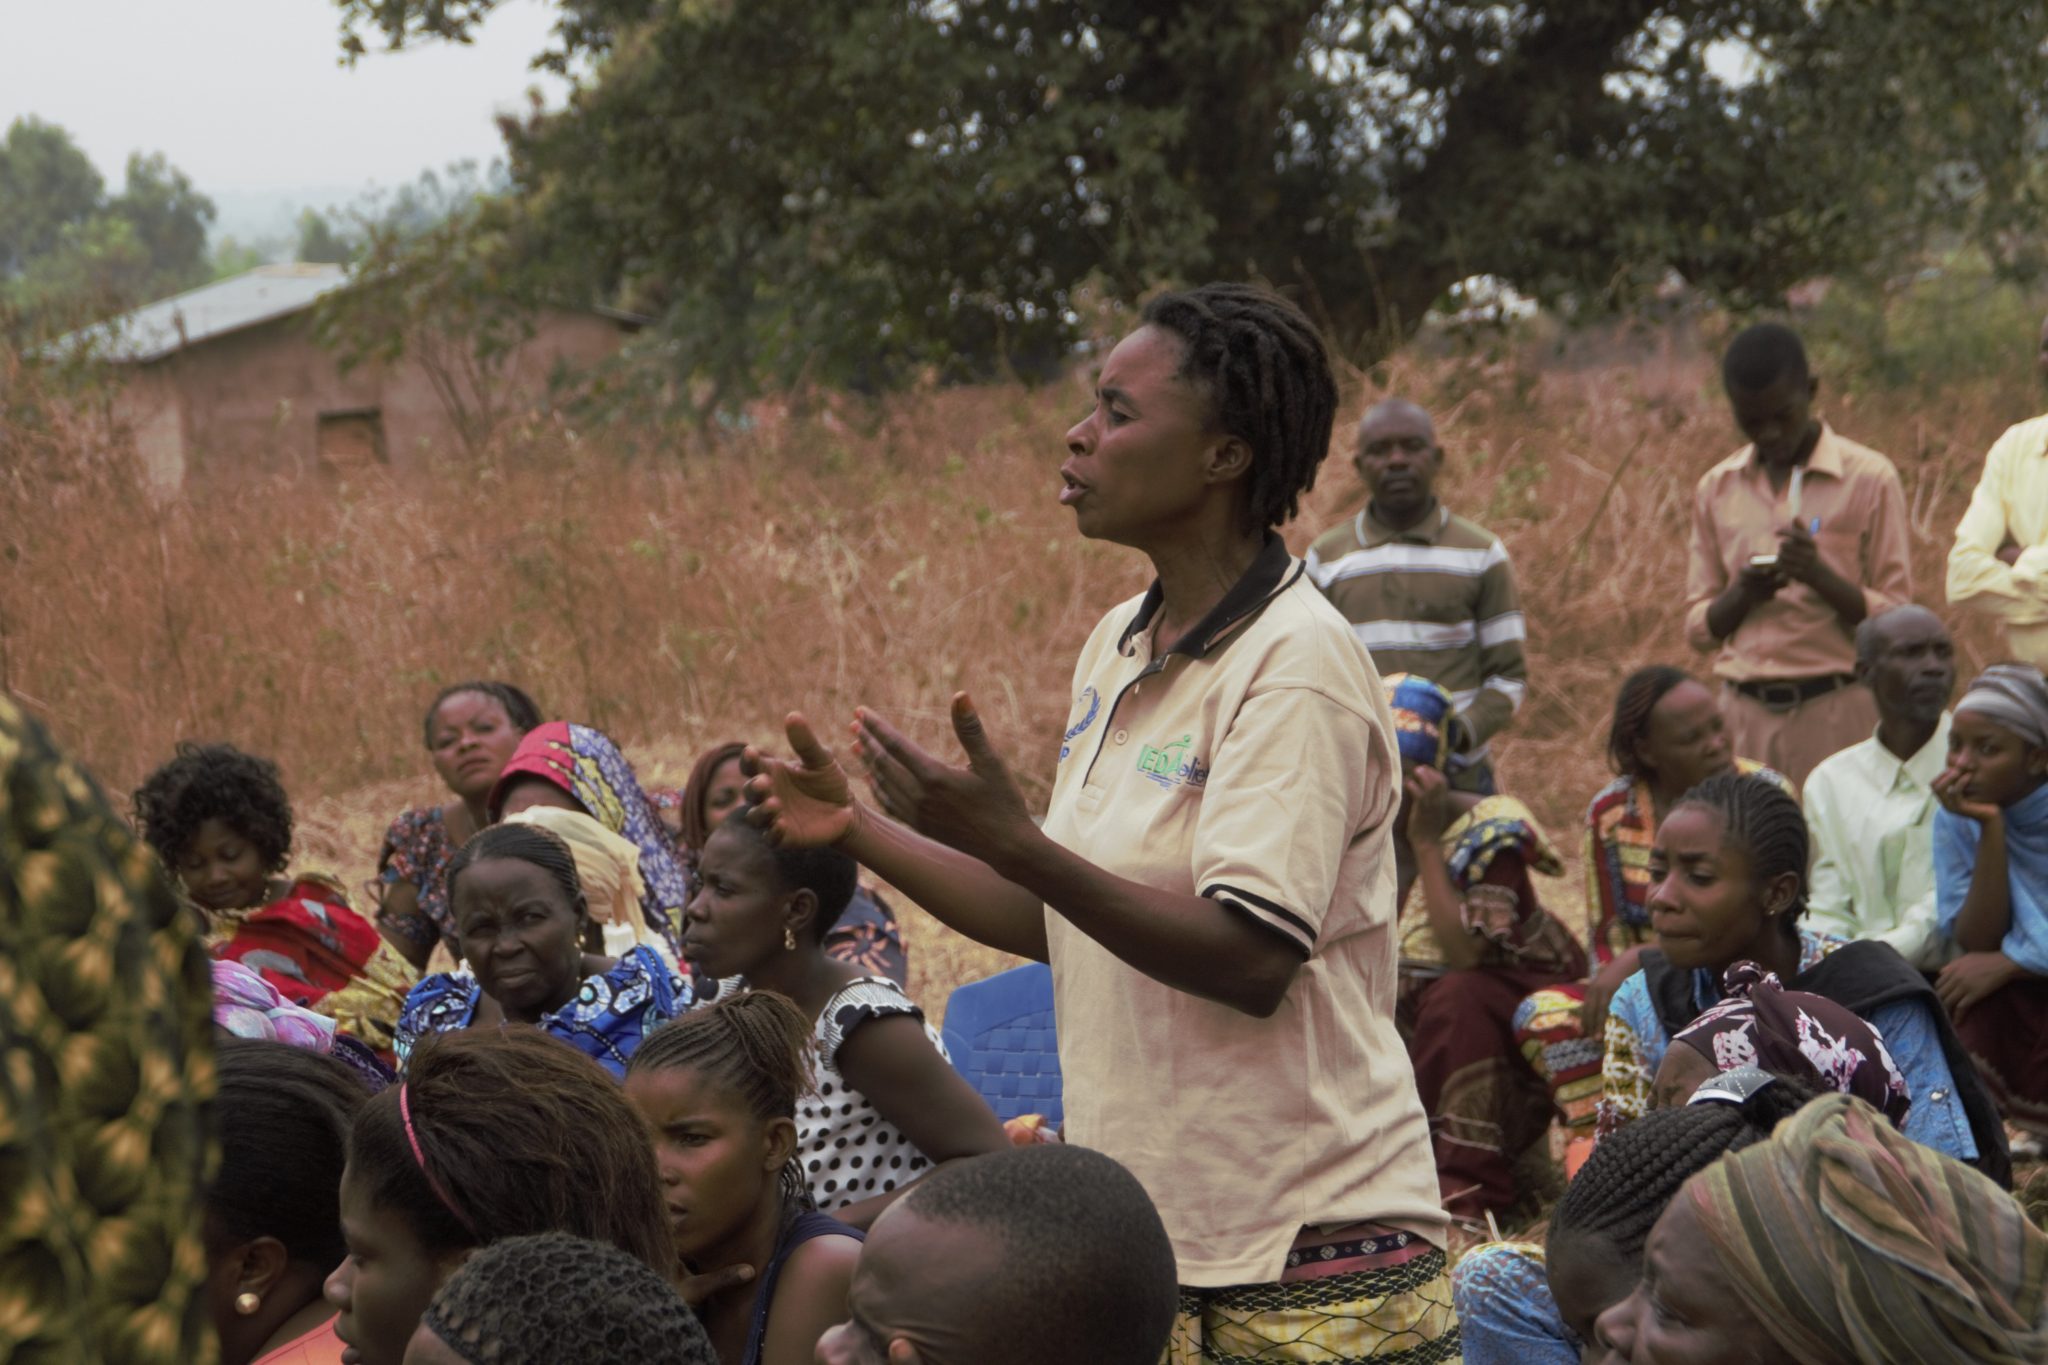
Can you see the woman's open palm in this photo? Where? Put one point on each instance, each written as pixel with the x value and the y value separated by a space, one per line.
pixel 805 803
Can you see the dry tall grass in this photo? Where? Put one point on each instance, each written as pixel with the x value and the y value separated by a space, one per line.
pixel 808 565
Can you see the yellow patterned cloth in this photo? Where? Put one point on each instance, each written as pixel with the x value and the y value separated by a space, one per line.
pixel 107 1078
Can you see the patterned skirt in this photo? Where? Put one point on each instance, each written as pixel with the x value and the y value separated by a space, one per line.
pixel 1361 1293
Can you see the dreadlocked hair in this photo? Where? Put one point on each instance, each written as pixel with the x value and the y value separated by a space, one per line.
pixel 1639 695
pixel 520 709
pixel 215 782
pixel 757 1044
pixel 1267 375
pixel 529 844
pixel 696 826
pixel 522 1134
pixel 1619 1194
pixel 1761 819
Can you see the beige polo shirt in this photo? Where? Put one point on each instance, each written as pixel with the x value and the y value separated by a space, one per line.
pixel 1253 763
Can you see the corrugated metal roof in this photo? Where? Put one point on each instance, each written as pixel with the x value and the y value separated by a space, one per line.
pixel 155 330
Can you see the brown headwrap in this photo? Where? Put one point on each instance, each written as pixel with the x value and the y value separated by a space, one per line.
pixel 1853 1245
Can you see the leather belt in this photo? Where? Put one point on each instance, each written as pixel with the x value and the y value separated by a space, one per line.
pixel 1787 694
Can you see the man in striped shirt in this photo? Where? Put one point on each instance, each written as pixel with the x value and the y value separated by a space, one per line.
pixel 1427 592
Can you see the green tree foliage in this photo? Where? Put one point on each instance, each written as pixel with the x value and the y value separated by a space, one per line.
pixel 70 253
pixel 849 189
pixel 321 242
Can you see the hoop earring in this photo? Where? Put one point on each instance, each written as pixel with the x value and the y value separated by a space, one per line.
pixel 788 939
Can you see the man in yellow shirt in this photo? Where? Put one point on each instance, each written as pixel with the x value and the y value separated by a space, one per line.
pixel 2000 561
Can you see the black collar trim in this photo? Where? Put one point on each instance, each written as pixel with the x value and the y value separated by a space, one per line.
pixel 1265 580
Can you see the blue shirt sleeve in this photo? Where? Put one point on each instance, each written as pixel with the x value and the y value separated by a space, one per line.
pixel 1955 860
pixel 1505 1313
pixel 1936 1119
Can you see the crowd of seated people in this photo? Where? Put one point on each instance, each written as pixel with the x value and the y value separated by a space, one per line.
pixel 606 1071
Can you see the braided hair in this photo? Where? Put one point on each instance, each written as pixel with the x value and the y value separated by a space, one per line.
pixel 520 709
pixel 215 782
pixel 757 1044
pixel 500 1134
pixel 1267 376
pixel 1762 820
pixel 1639 695
pixel 1621 1191
pixel 555 1297
pixel 529 844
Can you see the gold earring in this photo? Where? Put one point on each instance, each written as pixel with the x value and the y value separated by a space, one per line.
pixel 247 1303
pixel 788 939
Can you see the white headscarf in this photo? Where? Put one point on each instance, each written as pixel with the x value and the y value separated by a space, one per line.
pixel 608 866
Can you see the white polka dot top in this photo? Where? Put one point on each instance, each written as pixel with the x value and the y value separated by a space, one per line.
pixel 849 1151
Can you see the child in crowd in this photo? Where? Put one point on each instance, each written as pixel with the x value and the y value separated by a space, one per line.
pixel 551 1299
pixel 1667 737
pixel 522 920
pixel 220 820
pixel 1525 1304
pixel 1474 940
pixel 491 1135
pixel 273 1225
pixel 1991 885
pixel 1837 1241
pixel 471 731
pixel 1728 885
pixel 888 1104
pixel 866 934
pixel 719 1088
pixel 577 768
pixel 1019 1258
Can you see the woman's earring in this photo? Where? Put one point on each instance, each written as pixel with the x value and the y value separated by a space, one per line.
pixel 247 1303
pixel 788 939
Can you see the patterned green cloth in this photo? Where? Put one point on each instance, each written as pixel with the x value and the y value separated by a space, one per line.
pixel 106 1078
pixel 1853 1245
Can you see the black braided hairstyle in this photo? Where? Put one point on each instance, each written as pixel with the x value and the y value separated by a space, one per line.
pixel 520 709
pixel 829 874
pixel 1763 354
pixel 1622 1190
pixel 1762 820
pixel 757 1044
pixel 1267 375
pixel 215 782
pixel 552 1297
pixel 1639 695
pixel 529 844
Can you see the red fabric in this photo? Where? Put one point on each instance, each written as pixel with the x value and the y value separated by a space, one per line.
pixel 305 945
pixel 2006 1035
pixel 543 752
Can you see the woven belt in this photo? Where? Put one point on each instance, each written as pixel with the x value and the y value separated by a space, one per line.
pixel 1786 694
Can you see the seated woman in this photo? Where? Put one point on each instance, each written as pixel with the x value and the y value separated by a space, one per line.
pixel 1521 1303
pixel 273 1226
pixel 552 1298
pixel 492 1135
pixel 521 918
pixel 719 1089
pixel 1474 940
pixel 1837 1241
pixel 1667 737
pixel 577 768
pixel 888 1104
pixel 471 730
pixel 867 935
pixel 1991 886
pixel 1728 885
pixel 220 820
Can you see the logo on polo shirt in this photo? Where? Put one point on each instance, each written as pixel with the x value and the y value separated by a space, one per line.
pixel 1170 766
pixel 1092 700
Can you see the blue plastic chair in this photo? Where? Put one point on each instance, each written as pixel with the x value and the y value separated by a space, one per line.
pixel 1000 1034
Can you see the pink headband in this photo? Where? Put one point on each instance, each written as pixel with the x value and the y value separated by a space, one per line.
pixel 405 1113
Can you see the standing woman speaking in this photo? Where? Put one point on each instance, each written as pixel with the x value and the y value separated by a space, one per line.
pixel 1214 882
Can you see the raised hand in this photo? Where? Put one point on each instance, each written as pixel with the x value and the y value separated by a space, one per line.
pixel 803 804
pixel 1429 806
pixel 976 809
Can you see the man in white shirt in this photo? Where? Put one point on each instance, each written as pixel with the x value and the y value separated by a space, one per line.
pixel 1871 806
pixel 1999 565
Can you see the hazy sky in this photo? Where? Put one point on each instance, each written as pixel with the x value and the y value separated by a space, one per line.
pixel 247 98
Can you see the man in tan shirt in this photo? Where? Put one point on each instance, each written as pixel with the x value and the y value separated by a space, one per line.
pixel 1795 539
